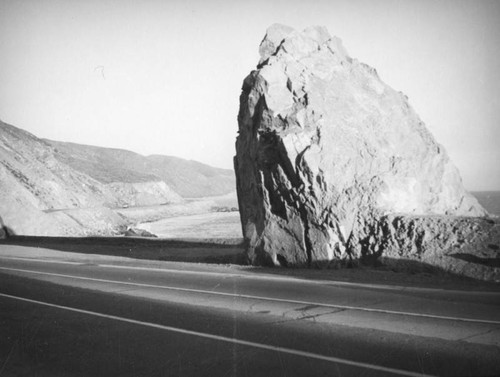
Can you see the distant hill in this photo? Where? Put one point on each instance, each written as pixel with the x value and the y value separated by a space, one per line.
pixel 55 188
pixel 190 179
pixel 490 200
pixel 105 165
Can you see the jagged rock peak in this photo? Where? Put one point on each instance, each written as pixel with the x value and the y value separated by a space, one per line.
pixel 326 149
pixel 282 38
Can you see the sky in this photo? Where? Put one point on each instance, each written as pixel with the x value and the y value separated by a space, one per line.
pixel 164 77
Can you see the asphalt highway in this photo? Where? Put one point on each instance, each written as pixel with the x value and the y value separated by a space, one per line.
pixel 107 317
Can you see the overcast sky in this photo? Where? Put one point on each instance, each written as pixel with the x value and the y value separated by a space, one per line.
pixel 164 77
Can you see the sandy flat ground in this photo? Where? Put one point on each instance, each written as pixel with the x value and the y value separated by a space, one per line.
pixel 206 225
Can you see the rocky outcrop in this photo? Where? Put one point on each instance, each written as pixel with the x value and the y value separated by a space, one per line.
pixel 327 152
pixel 3 230
pixel 467 246
pixel 136 232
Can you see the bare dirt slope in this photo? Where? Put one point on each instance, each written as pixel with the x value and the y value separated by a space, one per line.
pixel 59 189
pixel 32 181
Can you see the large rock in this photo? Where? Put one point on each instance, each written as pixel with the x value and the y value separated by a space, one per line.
pixel 3 231
pixel 326 151
pixel 461 245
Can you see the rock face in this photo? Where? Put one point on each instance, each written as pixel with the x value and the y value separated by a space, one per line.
pixel 3 231
pixel 326 151
pixel 467 246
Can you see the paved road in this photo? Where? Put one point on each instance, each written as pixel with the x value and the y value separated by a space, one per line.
pixel 112 317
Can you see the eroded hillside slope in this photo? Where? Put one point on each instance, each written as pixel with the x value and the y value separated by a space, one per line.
pixel 42 194
pixel 33 183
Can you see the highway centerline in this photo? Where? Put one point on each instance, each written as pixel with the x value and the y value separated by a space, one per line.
pixel 260 298
pixel 241 342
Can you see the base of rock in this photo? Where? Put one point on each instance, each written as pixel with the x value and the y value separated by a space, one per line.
pixel 460 245
pixel 464 246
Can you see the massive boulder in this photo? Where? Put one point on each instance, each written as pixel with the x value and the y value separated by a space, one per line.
pixel 3 230
pixel 326 151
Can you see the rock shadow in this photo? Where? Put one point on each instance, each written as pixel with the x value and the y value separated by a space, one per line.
pixel 5 231
pixel 490 262
pixel 220 251
pixel 383 271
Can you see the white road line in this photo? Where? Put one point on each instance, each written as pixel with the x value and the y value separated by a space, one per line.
pixel 44 261
pixel 241 342
pixel 260 298
pixel 257 277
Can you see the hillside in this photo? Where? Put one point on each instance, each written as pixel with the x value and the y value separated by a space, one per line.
pixel 55 188
pixel 190 179
pixel 33 181
pixel 31 173
pixel 105 165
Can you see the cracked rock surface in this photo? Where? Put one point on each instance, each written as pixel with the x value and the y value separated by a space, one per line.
pixel 326 151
